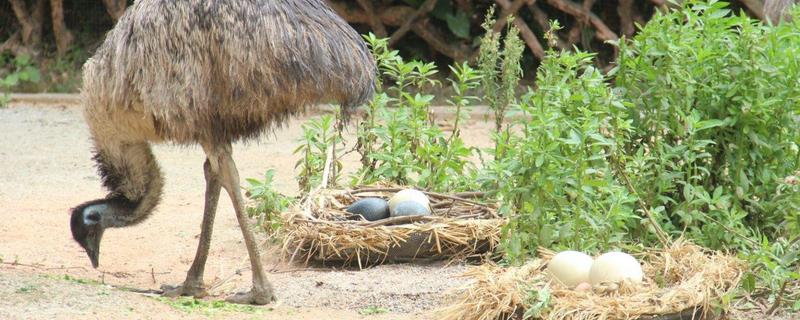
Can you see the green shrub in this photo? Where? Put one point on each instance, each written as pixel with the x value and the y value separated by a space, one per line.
pixel 501 71
pixel 400 142
pixel 716 134
pixel 697 126
pixel 556 182
pixel 320 138
pixel 20 70
pixel 715 139
pixel 268 202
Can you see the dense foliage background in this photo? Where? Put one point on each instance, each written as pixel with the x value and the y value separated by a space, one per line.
pixel 57 36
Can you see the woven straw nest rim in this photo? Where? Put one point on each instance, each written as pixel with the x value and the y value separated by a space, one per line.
pixel 679 278
pixel 320 228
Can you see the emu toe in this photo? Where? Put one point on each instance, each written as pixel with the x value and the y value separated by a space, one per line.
pixel 183 290
pixel 251 297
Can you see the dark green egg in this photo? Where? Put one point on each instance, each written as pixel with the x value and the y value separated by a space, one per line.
pixel 410 208
pixel 371 209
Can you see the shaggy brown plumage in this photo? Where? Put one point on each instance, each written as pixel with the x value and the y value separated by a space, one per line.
pixel 223 70
pixel 210 73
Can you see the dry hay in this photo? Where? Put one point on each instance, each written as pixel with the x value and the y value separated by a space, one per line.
pixel 320 230
pixel 692 279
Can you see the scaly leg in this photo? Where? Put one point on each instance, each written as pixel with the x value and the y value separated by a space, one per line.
pixel 193 285
pixel 262 292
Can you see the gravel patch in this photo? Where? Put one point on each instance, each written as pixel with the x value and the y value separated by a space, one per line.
pixel 401 288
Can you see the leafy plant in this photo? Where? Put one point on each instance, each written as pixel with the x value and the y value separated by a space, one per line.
pixel 466 79
pixel 269 203
pixel 319 141
pixel 380 145
pixel 556 181
pixel 714 116
pixel 774 270
pixel 401 143
pixel 447 158
pixel 371 310
pixel 20 70
pixel 500 70
pixel 488 63
pixel 698 131
pixel 510 73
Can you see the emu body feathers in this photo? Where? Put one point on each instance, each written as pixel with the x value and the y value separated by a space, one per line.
pixel 223 70
pixel 209 73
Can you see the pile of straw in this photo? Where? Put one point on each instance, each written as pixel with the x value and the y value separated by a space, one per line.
pixel 681 282
pixel 320 230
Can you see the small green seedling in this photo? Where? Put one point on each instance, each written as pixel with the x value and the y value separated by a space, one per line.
pixel 371 310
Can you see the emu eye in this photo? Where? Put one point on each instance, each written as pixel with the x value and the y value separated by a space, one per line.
pixel 92 217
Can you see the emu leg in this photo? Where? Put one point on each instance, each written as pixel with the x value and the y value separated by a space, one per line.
pixel 193 285
pixel 262 292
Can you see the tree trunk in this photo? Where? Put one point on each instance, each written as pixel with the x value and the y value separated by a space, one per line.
pixel 625 11
pixel 775 10
pixel 31 22
pixel 62 34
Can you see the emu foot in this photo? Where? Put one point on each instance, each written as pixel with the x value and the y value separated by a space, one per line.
pixel 196 291
pixel 258 297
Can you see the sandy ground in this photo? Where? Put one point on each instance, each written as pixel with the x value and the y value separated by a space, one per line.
pixel 45 152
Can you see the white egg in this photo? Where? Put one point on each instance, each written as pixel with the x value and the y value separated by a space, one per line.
pixel 570 267
pixel 615 267
pixel 410 208
pixel 408 195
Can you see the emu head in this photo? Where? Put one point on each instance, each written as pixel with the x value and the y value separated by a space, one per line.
pixel 87 228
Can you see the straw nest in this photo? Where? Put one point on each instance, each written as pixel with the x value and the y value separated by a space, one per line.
pixel 320 230
pixel 681 282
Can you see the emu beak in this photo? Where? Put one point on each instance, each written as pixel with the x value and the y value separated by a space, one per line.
pixel 92 247
pixel 94 256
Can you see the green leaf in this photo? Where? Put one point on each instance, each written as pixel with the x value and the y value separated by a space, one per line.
pixel 708 124
pixel 11 80
pixel 539 160
pixel 22 60
pixel 442 9
pixel 749 282
pixel 33 74
pixel 458 24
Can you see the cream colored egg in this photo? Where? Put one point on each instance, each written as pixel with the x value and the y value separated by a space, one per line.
pixel 570 267
pixel 615 267
pixel 408 195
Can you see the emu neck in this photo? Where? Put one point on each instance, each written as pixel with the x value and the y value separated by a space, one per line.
pixel 114 212
pixel 133 178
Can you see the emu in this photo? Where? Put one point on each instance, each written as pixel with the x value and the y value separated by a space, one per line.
pixel 208 73
pixel 776 10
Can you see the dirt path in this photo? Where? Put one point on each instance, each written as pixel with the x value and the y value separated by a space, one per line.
pixel 45 152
